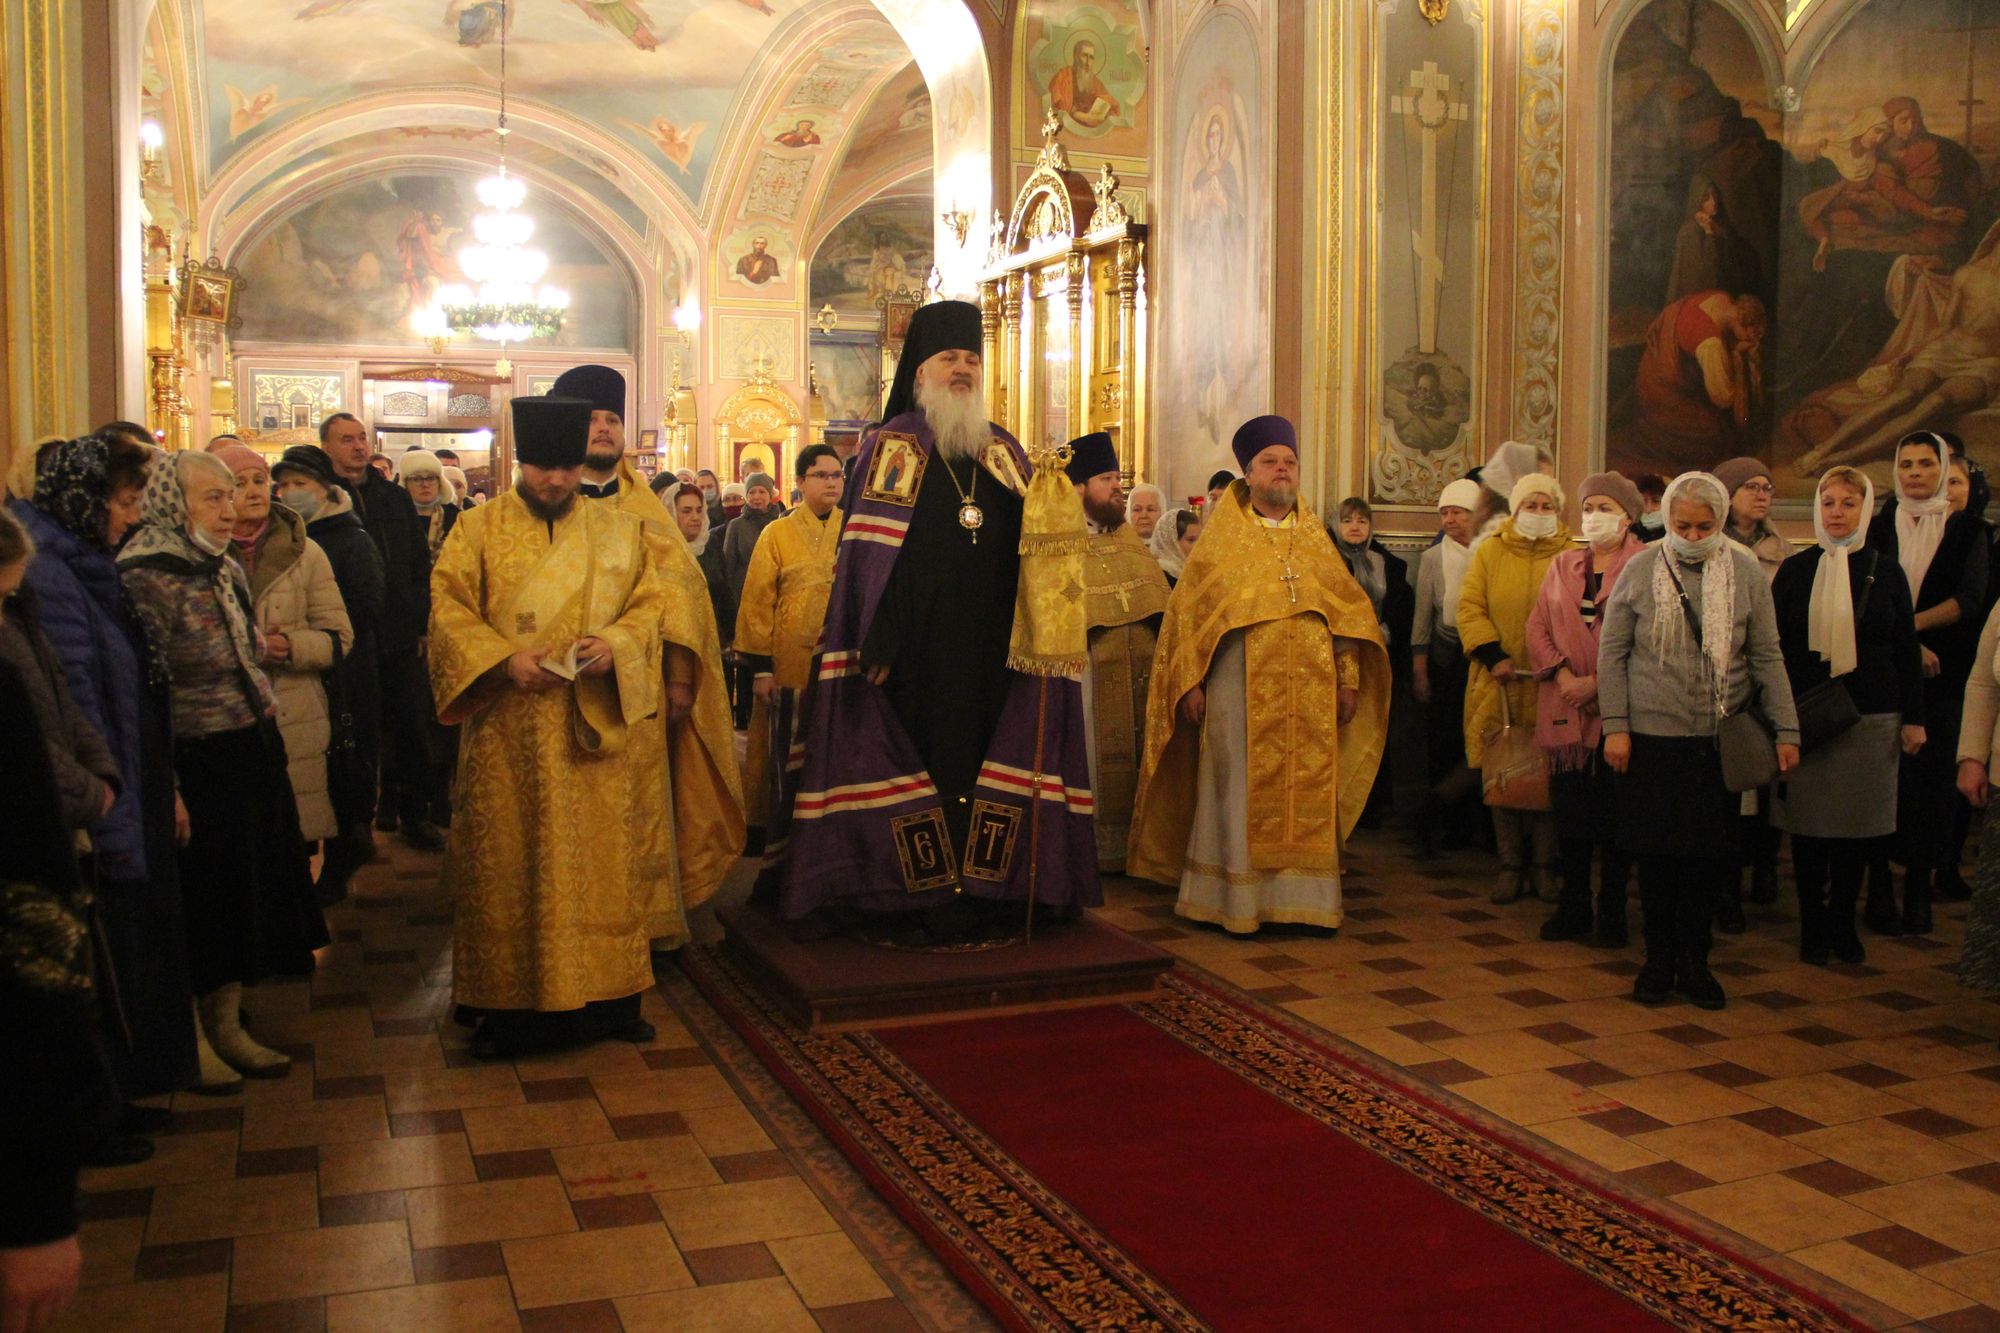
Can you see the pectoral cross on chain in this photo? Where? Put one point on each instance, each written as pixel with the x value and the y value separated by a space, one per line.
pixel 1290 579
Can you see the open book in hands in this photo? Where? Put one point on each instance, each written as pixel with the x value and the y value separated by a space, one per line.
pixel 567 665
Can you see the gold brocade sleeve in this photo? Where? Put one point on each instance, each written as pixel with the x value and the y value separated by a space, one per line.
pixel 463 646
pixel 681 666
pixel 1243 575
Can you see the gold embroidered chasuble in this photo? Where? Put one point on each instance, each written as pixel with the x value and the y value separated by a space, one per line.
pixel 702 785
pixel 557 850
pixel 1290 593
pixel 1124 590
pixel 785 591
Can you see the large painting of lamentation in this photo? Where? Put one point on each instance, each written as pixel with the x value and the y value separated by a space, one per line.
pixel 1429 86
pixel 1694 198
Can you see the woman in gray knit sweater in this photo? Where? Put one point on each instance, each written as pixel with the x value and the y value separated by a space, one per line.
pixel 1689 637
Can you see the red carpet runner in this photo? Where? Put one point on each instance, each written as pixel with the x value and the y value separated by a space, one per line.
pixel 1188 1163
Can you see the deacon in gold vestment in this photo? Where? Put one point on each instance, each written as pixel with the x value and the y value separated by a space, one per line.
pixel 686 762
pixel 1125 593
pixel 1269 709
pixel 778 621
pixel 552 863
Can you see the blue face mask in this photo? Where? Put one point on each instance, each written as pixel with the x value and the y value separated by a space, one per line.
pixel 1698 550
pixel 303 503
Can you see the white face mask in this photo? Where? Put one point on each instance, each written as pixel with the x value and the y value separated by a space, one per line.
pixel 1601 526
pixel 1698 550
pixel 1535 526
pixel 208 541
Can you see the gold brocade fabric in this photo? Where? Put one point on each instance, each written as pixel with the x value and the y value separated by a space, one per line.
pixel 1121 673
pixel 707 788
pixel 1308 779
pixel 1122 581
pixel 785 592
pixel 557 847
pixel 1048 636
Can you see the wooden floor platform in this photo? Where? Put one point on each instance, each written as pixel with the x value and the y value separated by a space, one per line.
pixel 841 983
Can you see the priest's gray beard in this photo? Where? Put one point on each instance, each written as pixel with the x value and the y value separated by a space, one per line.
pixel 957 420
pixel 1274 497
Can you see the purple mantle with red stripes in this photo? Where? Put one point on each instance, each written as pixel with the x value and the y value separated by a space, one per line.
pixel 866 827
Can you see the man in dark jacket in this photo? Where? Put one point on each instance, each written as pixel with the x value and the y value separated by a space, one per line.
pixel 738 541
pixel 401 539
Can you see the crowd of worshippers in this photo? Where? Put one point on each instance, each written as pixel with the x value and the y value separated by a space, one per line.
pixel 223 675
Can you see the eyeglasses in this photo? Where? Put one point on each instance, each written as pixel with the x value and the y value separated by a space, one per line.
pixel 1758 488
pixel 817 475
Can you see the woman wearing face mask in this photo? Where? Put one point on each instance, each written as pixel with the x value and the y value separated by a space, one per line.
pixel 1452 815
pixel 1501 586
pixel 1844 615
pixel 1668 671
pixel 1944 557
pixel 1651 524
pixel 299 609
pixel 304 484
pixel 1562 647
pixel 246 888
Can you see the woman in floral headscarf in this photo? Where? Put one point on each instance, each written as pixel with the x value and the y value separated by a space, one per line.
pixel 86 500
pixel 249 898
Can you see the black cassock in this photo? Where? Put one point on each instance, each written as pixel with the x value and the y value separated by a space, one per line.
pixel 944 623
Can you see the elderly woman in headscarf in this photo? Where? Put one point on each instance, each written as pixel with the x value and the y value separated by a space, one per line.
pixel 1502 584
pixel 1845 621
pixel 1689 637
pixel 1451 813
pixel 1143 506
pixel 246 889
pixel 1173 540
pixel 1562 650
pixel 86 501
pixel 1944 557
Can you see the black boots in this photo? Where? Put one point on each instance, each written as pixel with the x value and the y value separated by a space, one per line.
pixel 1655 981
pixel 1880 913
pixel 1917 901
pixel 1678 899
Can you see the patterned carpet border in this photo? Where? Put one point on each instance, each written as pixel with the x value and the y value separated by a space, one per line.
pixel 1679 1277
pixel 1040 1265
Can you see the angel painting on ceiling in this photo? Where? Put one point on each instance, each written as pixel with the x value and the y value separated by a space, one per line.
pixel 625 17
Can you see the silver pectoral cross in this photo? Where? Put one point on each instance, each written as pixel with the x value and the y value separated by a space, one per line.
pixel 1290 579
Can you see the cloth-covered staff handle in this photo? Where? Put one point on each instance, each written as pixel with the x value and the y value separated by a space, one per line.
pixel 1049 638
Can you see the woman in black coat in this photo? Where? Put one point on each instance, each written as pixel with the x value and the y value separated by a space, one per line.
pixel 1944 557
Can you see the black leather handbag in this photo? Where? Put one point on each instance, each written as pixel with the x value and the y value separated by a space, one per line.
pixel 1827 710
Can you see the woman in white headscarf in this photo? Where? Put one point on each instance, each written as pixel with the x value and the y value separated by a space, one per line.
pixel 1689 637
pixel 1944 558
pixel 1143 507
pixel 1844 617
pixel 1452 816
pixel 1173 538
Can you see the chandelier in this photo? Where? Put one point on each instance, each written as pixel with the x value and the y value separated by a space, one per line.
pixel 503 299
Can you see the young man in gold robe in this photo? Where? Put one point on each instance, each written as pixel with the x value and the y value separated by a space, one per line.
pixel 1269 708
pixel 696 776
pixel 545 647
pixel 1125 593
pixel 777 628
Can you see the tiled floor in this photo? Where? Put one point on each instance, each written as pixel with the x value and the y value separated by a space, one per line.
pixel 1844 1121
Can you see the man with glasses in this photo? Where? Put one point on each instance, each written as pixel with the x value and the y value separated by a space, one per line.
pixel 778 620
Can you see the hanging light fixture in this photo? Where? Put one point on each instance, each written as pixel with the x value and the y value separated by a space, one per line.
pixel 504 299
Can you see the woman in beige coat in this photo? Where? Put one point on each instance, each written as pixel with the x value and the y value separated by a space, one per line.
pixel 301 615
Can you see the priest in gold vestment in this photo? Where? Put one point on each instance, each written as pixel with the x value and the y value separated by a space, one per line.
pixel 545 647
pixel 778 620
pixel 1125 594
pixel 695 775
pixel 1269 709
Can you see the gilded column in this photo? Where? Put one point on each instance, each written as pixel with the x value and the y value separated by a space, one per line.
pixel 1538 224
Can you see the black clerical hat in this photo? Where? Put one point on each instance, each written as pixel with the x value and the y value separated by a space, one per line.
pixel 1089 456
pixel 943 326
pixel 1257 434
pixel 551 431
pixel 601 386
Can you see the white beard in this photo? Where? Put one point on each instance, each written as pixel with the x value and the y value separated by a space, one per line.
pixel 957 420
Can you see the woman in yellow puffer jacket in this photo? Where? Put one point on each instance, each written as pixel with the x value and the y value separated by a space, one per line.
pixel 1500 590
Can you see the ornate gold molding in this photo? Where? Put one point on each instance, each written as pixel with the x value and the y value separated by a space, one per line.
pixel 40 265
pixel 1538 223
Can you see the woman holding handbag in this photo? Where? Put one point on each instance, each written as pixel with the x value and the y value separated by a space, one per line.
pixel 1850 642
pixel 1944 556
pixel 1501 586
pixel 1690 641
pixel 1562 646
